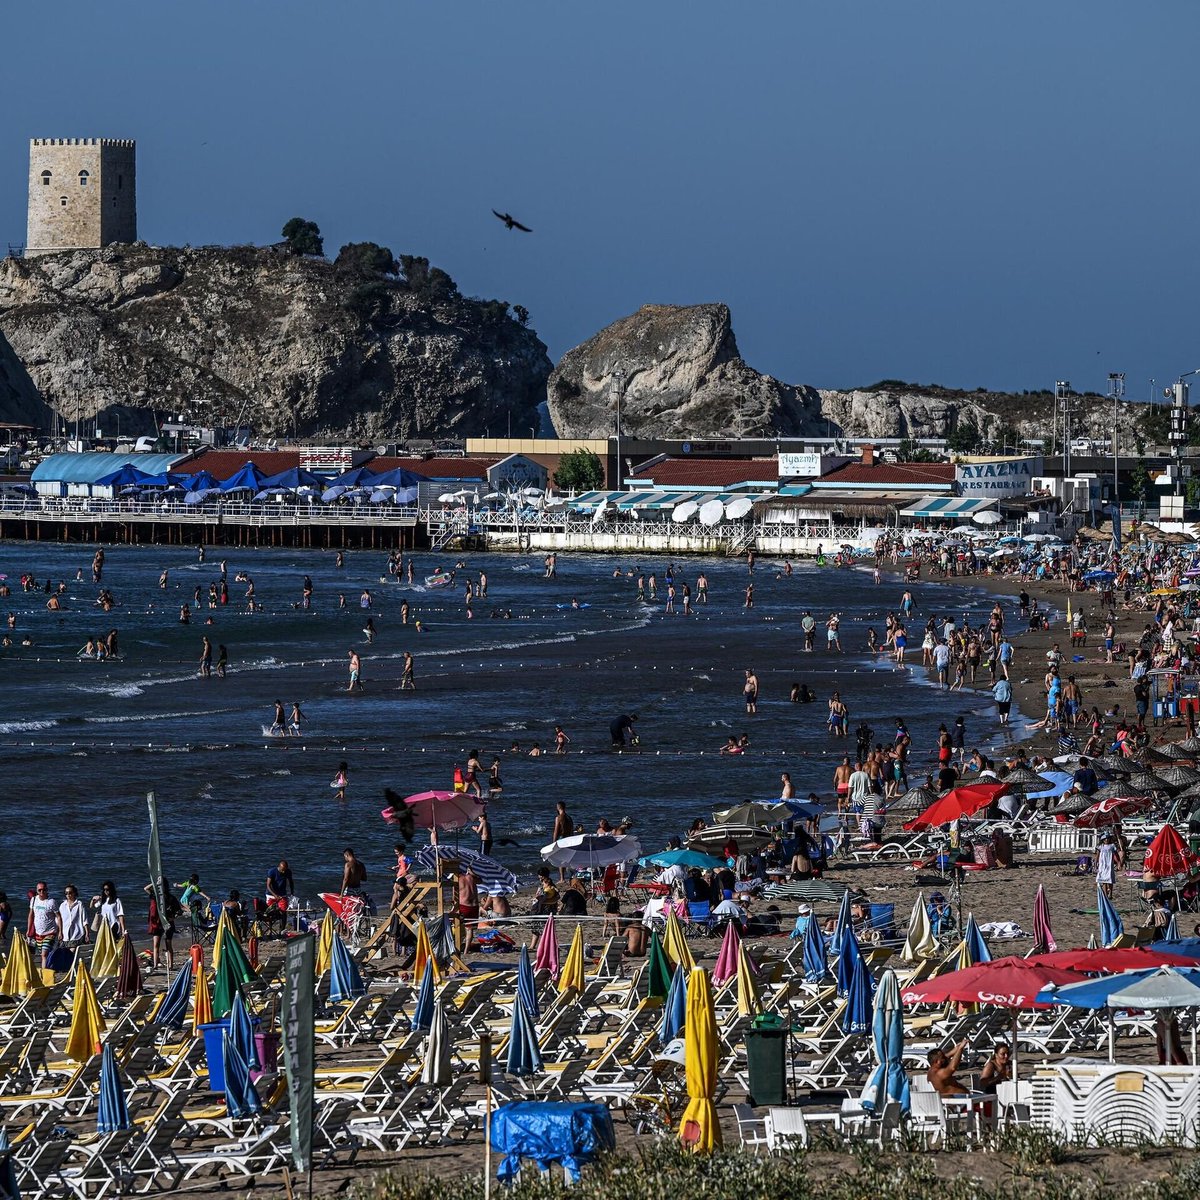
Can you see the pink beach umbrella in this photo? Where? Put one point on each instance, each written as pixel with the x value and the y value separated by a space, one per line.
pixel 546 958
pixel 1043 936
pixel 727 957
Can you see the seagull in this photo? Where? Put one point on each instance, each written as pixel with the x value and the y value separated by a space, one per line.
pixel 511 222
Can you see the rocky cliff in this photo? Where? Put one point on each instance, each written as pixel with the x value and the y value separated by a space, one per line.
pixel 682 376
pixel 286 344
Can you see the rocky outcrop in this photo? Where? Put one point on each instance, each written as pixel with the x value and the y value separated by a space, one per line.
pixel 285 344
pixel 683 377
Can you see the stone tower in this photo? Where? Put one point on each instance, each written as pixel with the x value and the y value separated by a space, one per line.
pixel 82 193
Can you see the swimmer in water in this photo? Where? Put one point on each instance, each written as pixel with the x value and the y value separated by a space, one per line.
pixel 295 719
pixel 162 579
pixel 277 720
pixel 369 630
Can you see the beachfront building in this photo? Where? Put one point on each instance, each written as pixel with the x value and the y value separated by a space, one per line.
pixel 78 474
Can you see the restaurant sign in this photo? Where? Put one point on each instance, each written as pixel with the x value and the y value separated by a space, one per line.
pixel 997 476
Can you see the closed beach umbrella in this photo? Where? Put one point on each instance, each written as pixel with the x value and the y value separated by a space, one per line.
pixel 233 971
pixel 105 958
pixel 675 1010
pixel 422 1016
pixel 856 1017
pixel 129 974
pixel 919 942
pixel 87 1022
pixel 749 1001
pixel 524 1057
pixel 325 943
pixel 437 1070
pixel 441 940
pixel 570 978
pixel 1167 855
pixel 546 958
pixel 241 1032
pixel 675 943
pixel 526 985
pixel 1043 936
pixel 1111 926
pixel 888 1082
pixel 699 1127
pixel 1177 776
pixel 658 970
pixel 850 954
pixel 727 956
pixel 241 1097
pixel 841 925
pixel 816 966
pixel 17 978
pixel 112 1112
pixel 172 1012
pixel 974 947
pixel 345 979
pixel 202 1013
pixel 422 956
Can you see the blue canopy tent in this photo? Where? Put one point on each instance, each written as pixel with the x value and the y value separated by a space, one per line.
pixel 248 478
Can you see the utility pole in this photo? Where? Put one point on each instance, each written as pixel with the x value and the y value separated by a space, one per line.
pixel 1116 389
pixel 618 393
pixel 1062 405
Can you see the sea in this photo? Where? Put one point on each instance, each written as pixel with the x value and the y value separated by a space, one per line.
pixel 82 742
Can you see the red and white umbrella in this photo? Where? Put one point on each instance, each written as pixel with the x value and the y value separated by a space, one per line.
pixel 1167 855
pixel 1112 810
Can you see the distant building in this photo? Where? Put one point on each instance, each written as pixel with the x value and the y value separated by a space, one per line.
pixel 82 194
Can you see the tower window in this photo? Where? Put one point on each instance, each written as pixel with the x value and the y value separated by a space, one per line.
pixel 83 178
pixel 63 201
pixel 46 177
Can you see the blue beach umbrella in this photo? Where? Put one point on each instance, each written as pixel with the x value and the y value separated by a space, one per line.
pixel 112 1113
pixel 816 968
pixel 241 1032
pixel 293 478
pixel 857 1015
pixel 201 481
pixel 682 858
pixel 8 1169
pixel 172 1012
pixel 524 1057
pixel 977 950
pixel 1111 926
pixel 841 925
pixel 422 1016
pixel 888 1081
pixel 1188 947
pixel 125 476
pixel 675 1009
pixel 241 1096
pixel 247 478
pixel 526 988
pixel 847 960
pixel 1172 931
pixel 398 477
pixel 345 979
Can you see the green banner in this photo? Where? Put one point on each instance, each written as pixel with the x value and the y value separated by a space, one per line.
pixel 298 1043
pixel 154 861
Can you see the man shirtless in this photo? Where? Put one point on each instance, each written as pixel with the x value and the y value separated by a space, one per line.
pixel 942 1068
pixel 354 874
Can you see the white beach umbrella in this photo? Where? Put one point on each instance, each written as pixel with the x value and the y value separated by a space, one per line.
pixel 684 512
pixel 711 511
pixel 601 511
pixel 988 517
pixel 735 510
pixel 447 497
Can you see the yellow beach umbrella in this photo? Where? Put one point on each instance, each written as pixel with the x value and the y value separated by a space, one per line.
pixel 571 975
pixel 675 943
pixel 920 942
pixel 202 1012
pixel 223 931
pixel 749 1001
pixel 1068 611
pixel 424 952
pixel 105 958
pixel 699 1128
pixel 87 1022
pixel 325 943
pixel 17 979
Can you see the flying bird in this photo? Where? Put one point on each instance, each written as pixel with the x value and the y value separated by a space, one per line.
pixel 511 222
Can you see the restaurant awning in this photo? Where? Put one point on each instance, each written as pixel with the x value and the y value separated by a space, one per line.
pixel 949 508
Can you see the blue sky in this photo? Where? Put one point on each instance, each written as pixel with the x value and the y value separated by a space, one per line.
pixel 990 195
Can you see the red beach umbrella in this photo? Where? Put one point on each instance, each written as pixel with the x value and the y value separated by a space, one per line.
pixel 1112 810
pixel 1003 982
pixel 964 801
pixel 1167 855
pixel 1110 961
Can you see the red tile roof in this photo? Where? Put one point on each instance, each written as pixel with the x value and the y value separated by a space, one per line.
pixel 883 474
pixel 222 464
pixel 437 468
pixel 707 472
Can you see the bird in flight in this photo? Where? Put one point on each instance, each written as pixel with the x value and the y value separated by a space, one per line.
pixel 511 222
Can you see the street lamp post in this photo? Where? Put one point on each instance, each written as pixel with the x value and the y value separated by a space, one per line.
pixel 618 393
pixel 1116 389
pixel 1062 403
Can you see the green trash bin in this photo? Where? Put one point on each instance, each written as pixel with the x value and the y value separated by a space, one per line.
pixel 766 1058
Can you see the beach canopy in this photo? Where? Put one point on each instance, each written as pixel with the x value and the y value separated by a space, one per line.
pixel 241 1097
pixel 1003 982
pixel 570 978
pixel 345 979
pixel 727 956
pixel 1112 810
pixel 201 481
pixel 524 1057
pixel 129 974
pixel 495 878
pixel 754 812
pixel 816 966
pixel 396 478
pixel 963 801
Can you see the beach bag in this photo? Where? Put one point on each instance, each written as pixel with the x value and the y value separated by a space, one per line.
pixel 59 959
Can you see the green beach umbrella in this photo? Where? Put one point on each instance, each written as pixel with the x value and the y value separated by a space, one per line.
pixel 658 971
pixel 233 970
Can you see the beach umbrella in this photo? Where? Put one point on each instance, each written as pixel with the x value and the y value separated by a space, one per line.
pixel 524 1056
pixel 1168 987
pixel 587 850
pixel 8 1168
pixel 293 479
pixel 888 1082
pixel 735 510
pixel 423 954
pixel 1178 776
pixel 1152 759
pixel 125 476
pixel 241 1097
pixel 345 979
pixel 847 957
pixel 711 511
pixel 112 1113
pixel 856 1016
pixel 546 958
pixel 816 967
pixel 915 800
pixel 1043 935
pixel 241 1032
pixel 1111 811
pixel 1111 960
pixel 1111 764
pixel 814 891
pixel 441 810
pixel 202 1013
pixel 974 947
pixel 247 478
pixel 1022 779
pixel 129 974
pixel 526 985
pixel 1111 926
pixel 570 978
pixel 1174 751
pixel 675 943
pixel 713 837
pixel 727 956
pixel 699 1128
pixel 172 1012
pixel 199 481
pixel 441 940
pixel 423 1010
pixel 919 941
pixel 675 1009
pixel 1146 782
pixel 749 1001
pixel 1167 855
pixel 233 971
pixel 963 801
pixel 105 958
pixel 437 1070
pixel 219 937
pixel 989 517
pixel 1190 744
pixel 87 1021
pixel 841 925
pixel 492 874
pixel 18 979
pixel 658 970
pixel 753 812
pixel 682 858
pixel 325 943
pixel 1003 982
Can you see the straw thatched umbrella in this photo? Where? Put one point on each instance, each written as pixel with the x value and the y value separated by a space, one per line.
pixel 1145 781
pixel 1151 758
pixel 1174 751
pixel 1022 779
pixel 1113 766
pixel 1178 777
pixel 1190 744
pixel 916 800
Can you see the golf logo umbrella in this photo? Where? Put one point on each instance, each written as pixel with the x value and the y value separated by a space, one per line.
pixel 241 1097
pixel 919 942
pixel 1167 855
pixel 888 1082
pixel 675 1010
pixel 87 1022
pixel 570 979
pixel 816 968
pixel 699 1128
pixel 345 980
pixel 112 1112
pixel 437 1070
pixel 547 949
pixel 172 1011
pixel 856 1017
pixel 1111 926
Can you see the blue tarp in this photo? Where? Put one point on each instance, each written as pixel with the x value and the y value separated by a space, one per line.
pixel 571 1135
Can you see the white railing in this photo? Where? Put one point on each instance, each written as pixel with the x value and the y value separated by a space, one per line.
pixel 92 509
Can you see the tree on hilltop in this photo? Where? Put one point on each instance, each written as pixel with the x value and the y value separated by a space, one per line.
pixel 367 257
pixel 303 237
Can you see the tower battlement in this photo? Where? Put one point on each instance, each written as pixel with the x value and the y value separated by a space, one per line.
pixel 124 143
pixel 82 193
